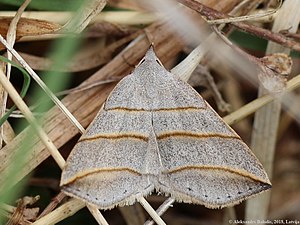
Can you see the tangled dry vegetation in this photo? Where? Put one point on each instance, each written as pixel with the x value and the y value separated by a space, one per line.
pixel 81 55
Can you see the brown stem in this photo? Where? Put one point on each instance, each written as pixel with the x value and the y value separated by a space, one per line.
pixel 212 14
pixel 55 201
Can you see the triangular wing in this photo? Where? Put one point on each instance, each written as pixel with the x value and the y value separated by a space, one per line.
pixel 107 165
pixel 204 160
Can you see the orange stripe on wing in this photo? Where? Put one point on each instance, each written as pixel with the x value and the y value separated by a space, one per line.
pixel 115 136
pixel 194 135
pixel 154 110
pixel 221 168
pixel 97 170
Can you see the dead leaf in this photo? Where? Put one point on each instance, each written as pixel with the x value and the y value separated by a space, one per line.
pixel 28 27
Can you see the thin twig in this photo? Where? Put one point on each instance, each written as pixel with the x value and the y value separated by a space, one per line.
pixel 97 215
pixel 151 211
pixel 162 209
pixel 57 199
pixel 266 75
pixel 245 17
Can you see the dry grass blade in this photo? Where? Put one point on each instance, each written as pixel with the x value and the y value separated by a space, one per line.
pixel 11 33
pixel 115 17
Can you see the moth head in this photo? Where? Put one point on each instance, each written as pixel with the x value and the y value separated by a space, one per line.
pixel 151 57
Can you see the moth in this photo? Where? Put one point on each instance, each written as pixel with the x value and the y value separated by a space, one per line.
pixel 155 132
